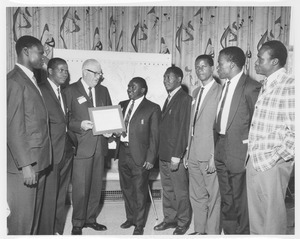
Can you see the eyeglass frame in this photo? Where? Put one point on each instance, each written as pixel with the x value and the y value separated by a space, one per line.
pixel 95 73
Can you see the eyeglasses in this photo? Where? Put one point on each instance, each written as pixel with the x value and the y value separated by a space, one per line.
pixel 97 74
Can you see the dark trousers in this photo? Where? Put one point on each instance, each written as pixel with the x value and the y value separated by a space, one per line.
pixel 86 187
pixel 134 185
pixel 53 213
pixel 176 202
pixel 24 203
pixel 234 206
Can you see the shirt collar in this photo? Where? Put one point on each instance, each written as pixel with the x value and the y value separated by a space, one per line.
pixel 236 77
pixel 28 72
pixel 273 77
pixel 54 87
pixel 173 92
pixel 139 100
pixel 208 85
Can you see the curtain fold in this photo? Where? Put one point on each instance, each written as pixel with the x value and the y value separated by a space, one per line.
pixel 183 31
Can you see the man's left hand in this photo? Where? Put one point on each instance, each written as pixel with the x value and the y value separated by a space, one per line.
pixel 148 165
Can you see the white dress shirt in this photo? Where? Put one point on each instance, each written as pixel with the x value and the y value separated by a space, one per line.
pixel 135 106
pixel 86 88
pixel 224 119
pixel 54 87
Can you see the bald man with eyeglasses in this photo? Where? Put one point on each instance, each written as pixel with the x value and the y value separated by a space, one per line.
pixel 88 165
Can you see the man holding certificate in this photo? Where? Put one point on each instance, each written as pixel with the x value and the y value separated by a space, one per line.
pixel 88 166
pixel 137 148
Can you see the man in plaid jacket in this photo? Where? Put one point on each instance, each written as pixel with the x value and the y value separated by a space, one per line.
pixel 271 147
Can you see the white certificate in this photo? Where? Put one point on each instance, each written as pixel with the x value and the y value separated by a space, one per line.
pixel 107 119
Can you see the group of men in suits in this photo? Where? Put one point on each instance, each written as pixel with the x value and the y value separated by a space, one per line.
pixel 46 127
pixel 201 142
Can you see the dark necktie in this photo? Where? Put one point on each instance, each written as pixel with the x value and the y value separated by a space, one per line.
pixel 218 126
pixel 126 121
pixel 166 103
pixel 91 95
pixel 197 109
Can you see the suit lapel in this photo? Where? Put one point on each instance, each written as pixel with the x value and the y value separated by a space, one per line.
pixel 99 102
pixel 207 98
pixel 173 99
pixel 236 99
pixel 53 95
pixel 29 82
pixel 194 95
pixel 138 109
pixel 124 107
pixel 83 92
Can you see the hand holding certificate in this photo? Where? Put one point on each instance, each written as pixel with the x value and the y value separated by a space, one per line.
pixel 107 119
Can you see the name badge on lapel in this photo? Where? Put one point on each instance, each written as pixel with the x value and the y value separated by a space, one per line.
pixel 142 121
pixel 81 99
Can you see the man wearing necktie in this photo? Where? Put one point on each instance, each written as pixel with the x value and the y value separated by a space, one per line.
pixel 64 143
pixel 28 141
pixel 174 129
pixel 232 125
pixel 137 149
pixel 199 158
pixel 88 164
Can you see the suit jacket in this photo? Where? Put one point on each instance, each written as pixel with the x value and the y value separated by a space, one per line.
pixel 143 131
pixel 174 127
pixel 239 120
pixel 28 141
pixel 58 122
pixel 201 145
pixel 78 111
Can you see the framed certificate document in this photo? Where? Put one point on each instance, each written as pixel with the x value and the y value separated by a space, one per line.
pixel 107 119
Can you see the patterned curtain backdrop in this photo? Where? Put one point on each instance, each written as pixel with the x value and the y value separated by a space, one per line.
pixel 183 31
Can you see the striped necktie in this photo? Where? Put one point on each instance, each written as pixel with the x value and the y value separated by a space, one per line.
pixel 91 95
pixel 58 95
pixel 126 121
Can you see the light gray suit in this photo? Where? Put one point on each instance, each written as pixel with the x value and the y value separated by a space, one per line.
pixel 204 188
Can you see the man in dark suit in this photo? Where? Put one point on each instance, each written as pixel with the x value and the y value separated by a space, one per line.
pixel 174 130
pixel 63 146
pixel 138 148
pixel 28 142
pixel 88 164
pixel 233 120
pixel 199 158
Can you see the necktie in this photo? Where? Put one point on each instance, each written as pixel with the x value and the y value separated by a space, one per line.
pixel 128 117
pixel 218 126
pixel 60 100
pixel 91 95
pixel 197 109
pixel 58 95
pixel 166 103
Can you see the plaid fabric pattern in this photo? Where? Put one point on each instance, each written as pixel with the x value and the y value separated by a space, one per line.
pixel 272 131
